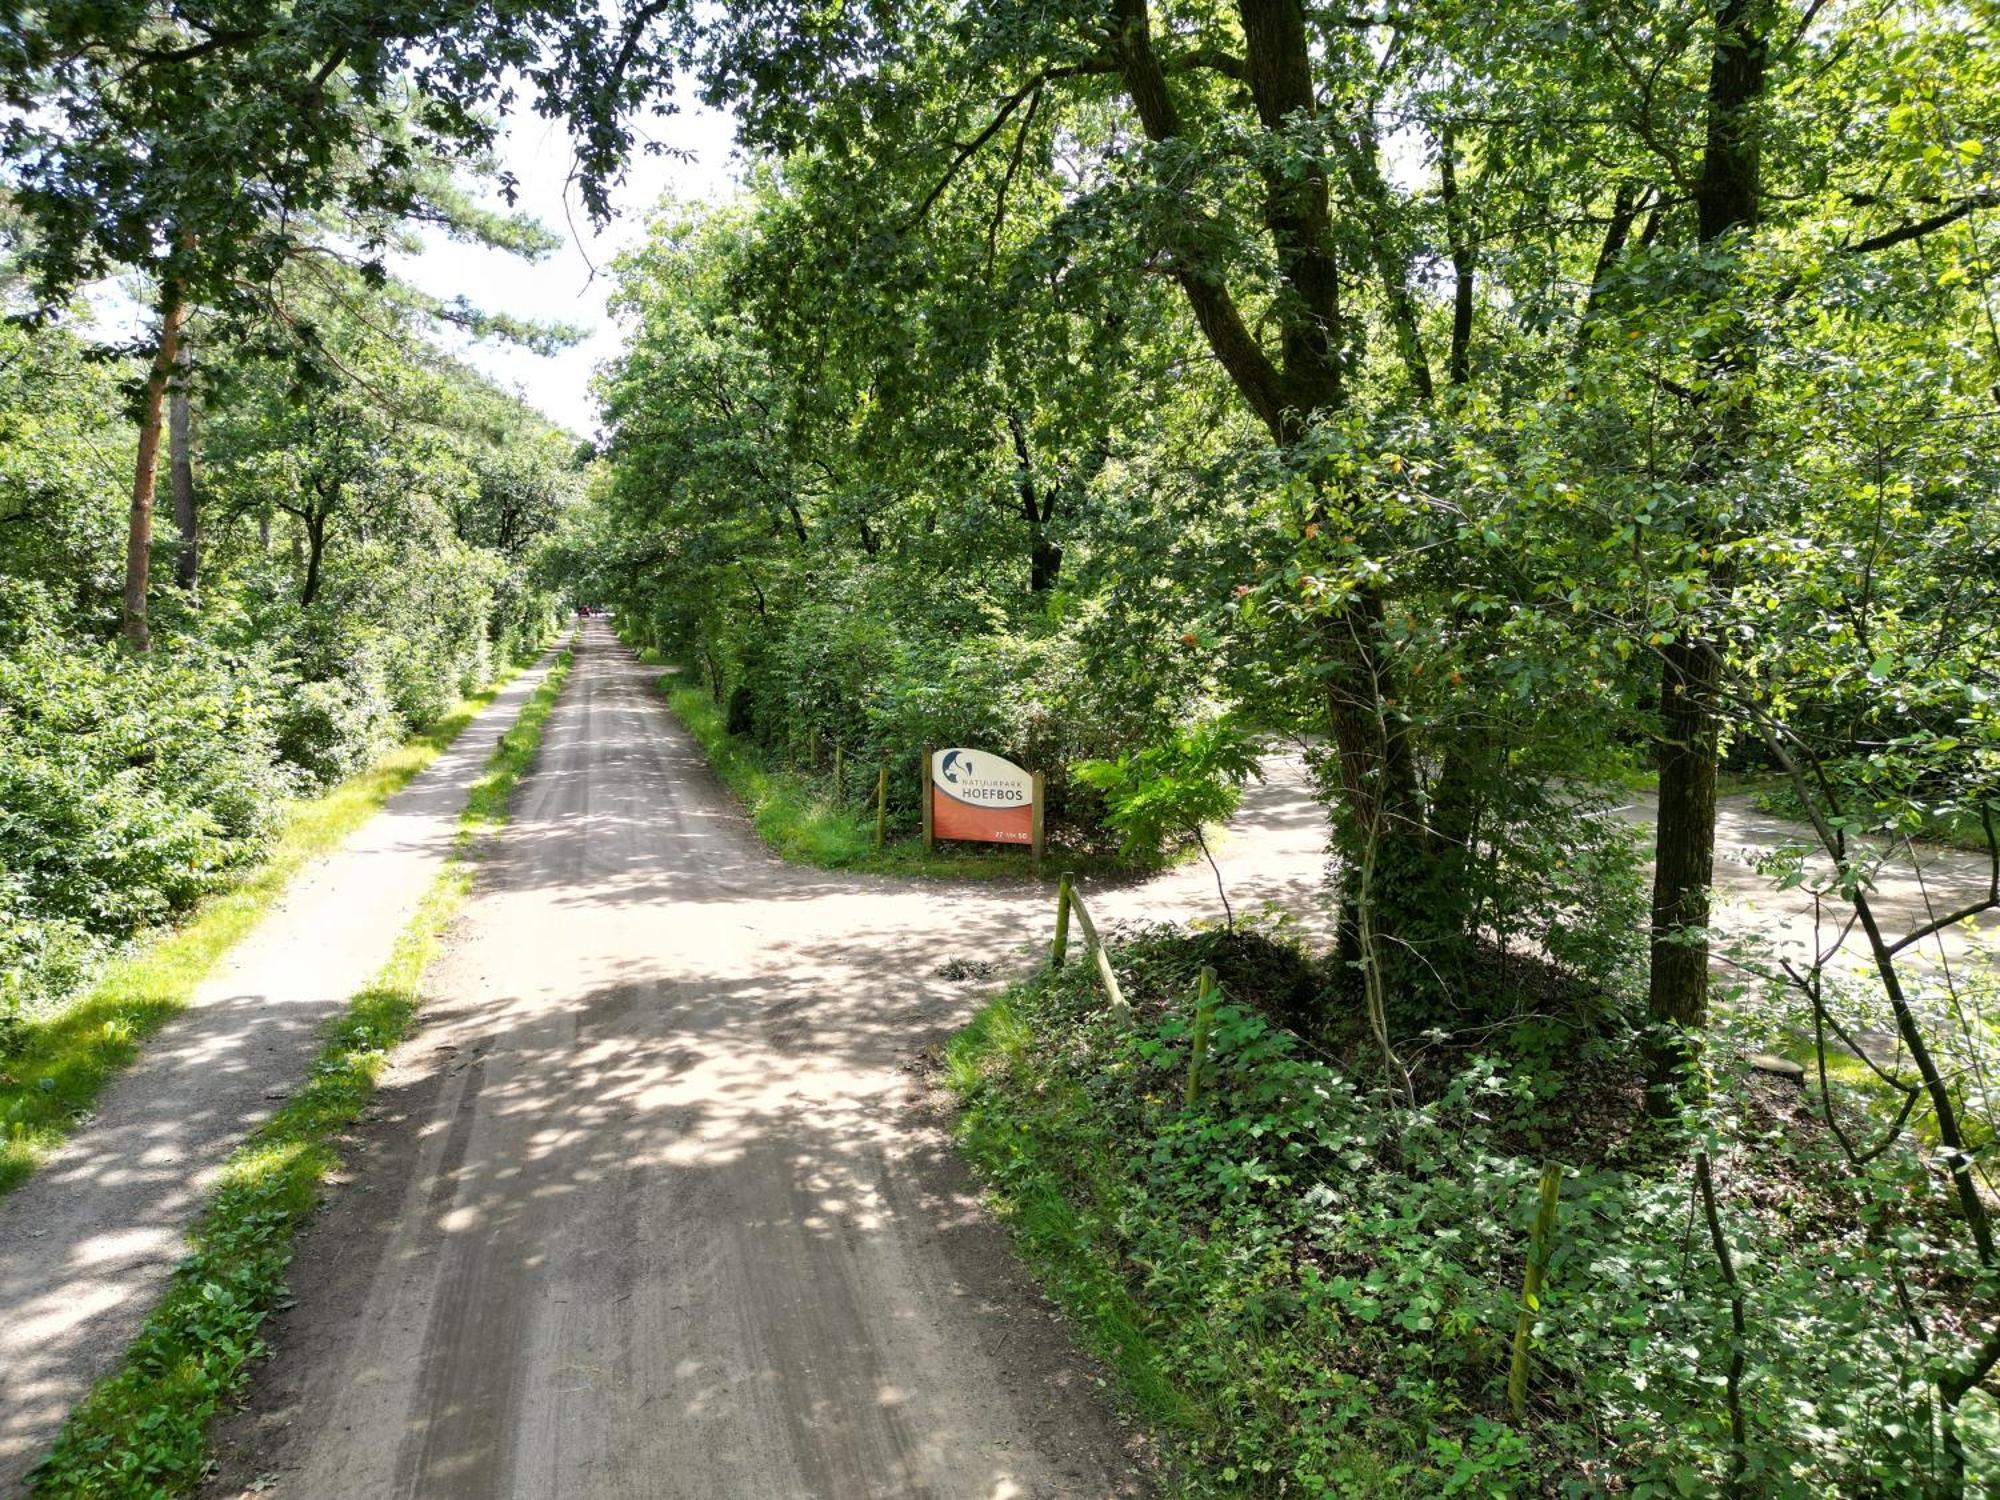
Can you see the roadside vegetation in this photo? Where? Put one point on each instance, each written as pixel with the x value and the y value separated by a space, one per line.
pixel 54 1062
pixel 349 567
pixel 824 814
pixel 143 1430
pixel 1496 398
pixel 1310 1282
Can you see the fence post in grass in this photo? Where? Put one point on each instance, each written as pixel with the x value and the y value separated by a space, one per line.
pixel 1204 1018
pixel 839 776
pixel 1540 1242
pixel 1035 817
pixel 1094 945
pixel 1059 950
pixel 924 781
pixel 882 807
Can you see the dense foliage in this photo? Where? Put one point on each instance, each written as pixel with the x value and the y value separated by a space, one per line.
pixel 1317 1288
pixel 844 577
pixel 1505 401
pixel 365 557
pixel 126 795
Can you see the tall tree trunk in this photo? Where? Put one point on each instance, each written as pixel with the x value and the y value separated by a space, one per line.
pixel 1726 205
pixel 1381 808
pixel 1038 507
pixel 1387 855
pixel 180 467
pixel 1044 561
pixel 315 529
pixel 1684 837
pixel 145 475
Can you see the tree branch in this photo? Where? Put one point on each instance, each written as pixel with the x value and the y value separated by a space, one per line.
pixel 1236 348
pixel 1903 233
pixel 1007 180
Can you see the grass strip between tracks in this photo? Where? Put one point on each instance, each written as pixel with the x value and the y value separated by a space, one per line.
pixel 63 1060
pixel 142 1430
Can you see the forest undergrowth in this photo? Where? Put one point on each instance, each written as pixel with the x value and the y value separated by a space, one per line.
pixel 1309 1286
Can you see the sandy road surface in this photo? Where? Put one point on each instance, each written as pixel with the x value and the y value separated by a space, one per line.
pixel 86 1244
pixel 655 1204
pixel 1911 888
pixel 655 1207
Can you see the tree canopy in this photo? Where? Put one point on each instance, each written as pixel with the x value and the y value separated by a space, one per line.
pixel 1511 407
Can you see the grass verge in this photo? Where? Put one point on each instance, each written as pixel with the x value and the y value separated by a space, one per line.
pixel 1058 1206
pixel 61 1062
pixel 143 1429
pixel 798 815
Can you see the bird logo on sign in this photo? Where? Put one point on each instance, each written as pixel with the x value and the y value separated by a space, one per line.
pixel 951 761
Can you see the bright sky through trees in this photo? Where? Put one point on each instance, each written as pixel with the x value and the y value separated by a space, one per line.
pixel 572 284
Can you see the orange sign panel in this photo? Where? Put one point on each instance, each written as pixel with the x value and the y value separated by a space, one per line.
pixel 977 795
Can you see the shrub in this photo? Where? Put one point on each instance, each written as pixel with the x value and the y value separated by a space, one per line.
pixel 331 729
pixel 129 787
pixel 860 661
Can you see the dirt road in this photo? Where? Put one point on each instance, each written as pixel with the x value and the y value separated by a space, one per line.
pixel 87 1243
pixel 1911 889
pixel 654 1205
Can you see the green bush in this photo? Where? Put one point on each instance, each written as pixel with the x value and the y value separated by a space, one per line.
pixel 132 787
pixel 129 788
pixel 858 660
pixel 331 729
pixel 396 638
pixel 1314 1289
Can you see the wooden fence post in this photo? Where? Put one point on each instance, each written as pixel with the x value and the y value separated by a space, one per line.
pixel 1059 950
pixel 882 807
pixel 1106 975
pixel 1204 1018
pixel 1035 816
pixel 1540 1242
pixel 1119 1007
pixel 930 833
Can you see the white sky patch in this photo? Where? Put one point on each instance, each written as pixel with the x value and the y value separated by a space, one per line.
pixel 562 288
pixel 569 286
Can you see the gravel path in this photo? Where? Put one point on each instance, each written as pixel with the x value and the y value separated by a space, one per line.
pixel 657 1203
pixel 87 1242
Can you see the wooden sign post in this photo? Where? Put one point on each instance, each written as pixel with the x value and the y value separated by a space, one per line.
pixel 1038 827
pixel 930 822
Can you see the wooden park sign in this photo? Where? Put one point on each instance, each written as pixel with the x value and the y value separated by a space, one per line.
pixel 975 794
